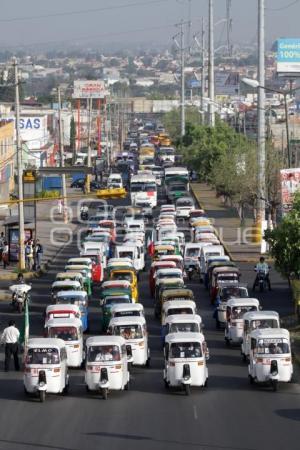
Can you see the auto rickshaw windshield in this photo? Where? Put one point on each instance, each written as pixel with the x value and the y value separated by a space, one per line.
pixel 122 276
pixel 42 356
pixel 186 350
pixel 273 346
pixel 187 327
pixel 116 300
pixel 234 291
pixel 263 323
pixel 64 333
pixel 98 353
pixel 124 254
pixel 193 252
pixel 173 311
pixel 237 312
pixel 129 331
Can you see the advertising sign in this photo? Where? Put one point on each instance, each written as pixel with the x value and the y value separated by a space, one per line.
pixel 288 56
pixel 34 131
pixel 290 184
pixel 227 83
pixel 89 89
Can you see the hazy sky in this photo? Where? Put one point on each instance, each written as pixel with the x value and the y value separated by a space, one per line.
pixel 137 21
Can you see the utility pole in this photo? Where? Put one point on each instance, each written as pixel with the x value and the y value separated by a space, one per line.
pixel 261 132
pixel 203 70
pixel 182 80
pixel 211 65
pixel 89 158
pixel 62 158
pixel 19 169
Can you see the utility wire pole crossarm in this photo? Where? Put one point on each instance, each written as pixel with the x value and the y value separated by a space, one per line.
pixel 20 170
pixel 62 160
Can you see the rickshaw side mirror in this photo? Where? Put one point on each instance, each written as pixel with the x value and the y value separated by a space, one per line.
pixel 207 355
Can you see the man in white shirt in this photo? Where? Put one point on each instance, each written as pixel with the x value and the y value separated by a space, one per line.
pixel 10 338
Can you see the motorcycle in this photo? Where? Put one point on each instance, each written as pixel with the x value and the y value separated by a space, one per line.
pixel 84 213
pixel 20 295
pixel 261 280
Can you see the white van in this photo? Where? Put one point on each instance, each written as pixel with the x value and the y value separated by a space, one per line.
pixel 130 250
pixel 114 181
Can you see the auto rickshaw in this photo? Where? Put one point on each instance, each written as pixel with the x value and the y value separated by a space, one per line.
pixel 225 292
pixel 46 369
pixel 270 357
pixel 222 274
pixel 65 285
pixel 162 250
pixel 210 268
pixel 70 331
pixel 86 273
pixel 235 309
pixel 127 310
pixel 72 276
pixel 178 259
pixel 79 298
pixel 165 284
pixel 255 320
pixel 185 361
pixel 181 323
pixel 106 366
pixel 127 274
pixel 110 298
pixel 177 307
pixel 62 312
pixel 156 265
pixel 172 294
pixel 133 329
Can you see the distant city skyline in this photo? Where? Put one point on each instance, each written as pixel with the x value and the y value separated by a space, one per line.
pixel 122 22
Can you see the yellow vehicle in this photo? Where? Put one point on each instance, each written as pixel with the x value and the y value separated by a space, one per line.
pixel 164 139
pixel 111 193
pixel 147 151
pixel 128 275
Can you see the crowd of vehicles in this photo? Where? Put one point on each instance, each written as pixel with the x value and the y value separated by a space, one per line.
pixel 114 251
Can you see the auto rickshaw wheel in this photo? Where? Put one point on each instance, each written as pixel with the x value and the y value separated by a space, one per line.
pixel 251 379
pixel 127 386
pixel 166 384
pixel 227 342
pixel 148 362
pixel 206 383
pixel 187 389
pixel 20 307
pixel 244 357
pixel 104 393
pixel 42 395
pixel 274 384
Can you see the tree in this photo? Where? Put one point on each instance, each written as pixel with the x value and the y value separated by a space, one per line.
pixel 284 242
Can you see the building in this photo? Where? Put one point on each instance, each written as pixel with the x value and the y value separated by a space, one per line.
pixel 7 151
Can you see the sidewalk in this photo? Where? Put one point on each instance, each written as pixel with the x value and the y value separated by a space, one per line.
pixel 236 240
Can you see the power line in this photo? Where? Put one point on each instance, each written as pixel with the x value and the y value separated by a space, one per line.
pixel 284 7
pixel 82 11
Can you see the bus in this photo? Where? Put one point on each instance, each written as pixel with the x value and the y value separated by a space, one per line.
pixel 177 174
pixel 143 189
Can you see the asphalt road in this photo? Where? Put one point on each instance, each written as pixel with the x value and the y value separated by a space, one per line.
pixel 229 414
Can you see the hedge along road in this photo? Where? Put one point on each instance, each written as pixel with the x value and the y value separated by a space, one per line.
pixel 229 414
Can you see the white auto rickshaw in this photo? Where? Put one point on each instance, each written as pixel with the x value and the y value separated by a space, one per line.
pixel 185 361
pixel 62 312
pixel 107 359
pixel 70 331
pixel 46 369
pixel 270 357
pixel 181 323
pixel 127 310
pixel 134 331
pixel 235 309
pixel 171 307
pixel 257 320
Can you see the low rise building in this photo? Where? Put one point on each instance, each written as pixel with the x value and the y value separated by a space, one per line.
pixel 7 152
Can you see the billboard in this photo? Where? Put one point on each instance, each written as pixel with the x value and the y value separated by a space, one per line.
pixel 89 89
pixel 290 184
pixel 288 55
pixel 34 131
pixel 227 83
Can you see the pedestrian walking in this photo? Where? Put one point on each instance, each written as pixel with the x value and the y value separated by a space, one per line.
pixel 10 338
pixel 29 255
pixel 5 257
pixel 38 254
